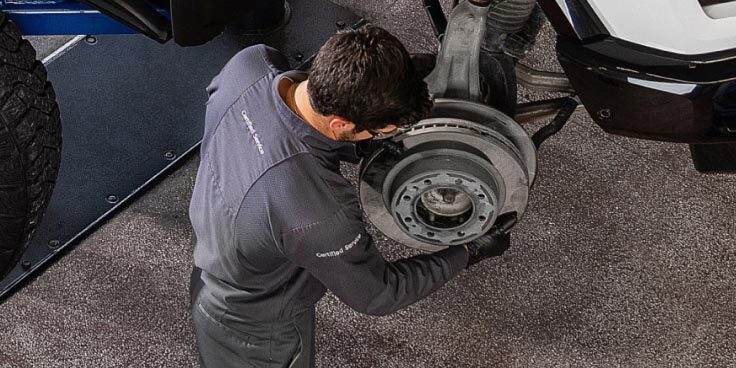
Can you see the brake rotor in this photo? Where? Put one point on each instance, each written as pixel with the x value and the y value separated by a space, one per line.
pixel 463 167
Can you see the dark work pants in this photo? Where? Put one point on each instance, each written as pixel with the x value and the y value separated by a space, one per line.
pixel 253 344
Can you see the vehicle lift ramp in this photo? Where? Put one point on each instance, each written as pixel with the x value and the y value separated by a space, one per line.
pixel 132 109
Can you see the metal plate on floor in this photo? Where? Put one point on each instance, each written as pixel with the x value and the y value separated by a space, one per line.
pixel 131 110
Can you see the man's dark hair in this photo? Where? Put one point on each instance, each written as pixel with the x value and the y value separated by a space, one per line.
pixel 366 76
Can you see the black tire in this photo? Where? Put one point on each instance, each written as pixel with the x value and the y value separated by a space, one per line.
pixel 30 143
pixel 714 157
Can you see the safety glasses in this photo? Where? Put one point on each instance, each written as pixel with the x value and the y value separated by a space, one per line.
pixel 379 135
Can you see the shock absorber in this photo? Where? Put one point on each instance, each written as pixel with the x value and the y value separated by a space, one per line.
pixel 509 16
pixel 505 42
pixel 512 26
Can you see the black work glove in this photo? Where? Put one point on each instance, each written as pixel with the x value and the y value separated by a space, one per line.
pixel 493 243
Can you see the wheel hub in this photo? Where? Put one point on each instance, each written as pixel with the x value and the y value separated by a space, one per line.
pixel 462 168
pixel 447 202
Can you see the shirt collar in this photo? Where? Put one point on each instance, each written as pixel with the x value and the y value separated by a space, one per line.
pixel 305 132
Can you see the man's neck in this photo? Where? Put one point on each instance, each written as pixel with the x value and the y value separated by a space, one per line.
pixel 299 98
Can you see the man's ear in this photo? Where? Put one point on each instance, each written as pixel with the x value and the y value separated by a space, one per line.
pixel 339 125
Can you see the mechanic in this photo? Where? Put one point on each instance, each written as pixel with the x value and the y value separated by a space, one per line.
pixel 274 221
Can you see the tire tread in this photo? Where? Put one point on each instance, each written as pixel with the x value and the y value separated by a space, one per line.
pixel 30 143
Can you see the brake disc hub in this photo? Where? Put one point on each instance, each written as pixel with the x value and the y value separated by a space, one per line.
pixel 462 168
pixel 447 202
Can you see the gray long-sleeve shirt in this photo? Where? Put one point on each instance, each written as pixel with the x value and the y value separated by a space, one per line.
pixel 275 222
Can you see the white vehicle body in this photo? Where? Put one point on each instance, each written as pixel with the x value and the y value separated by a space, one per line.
pixel 683 27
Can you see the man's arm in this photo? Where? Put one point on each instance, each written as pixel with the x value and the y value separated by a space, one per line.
pixel 316 222
pixel 339 253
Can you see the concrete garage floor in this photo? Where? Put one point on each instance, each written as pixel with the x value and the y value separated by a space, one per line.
pixel 626 257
